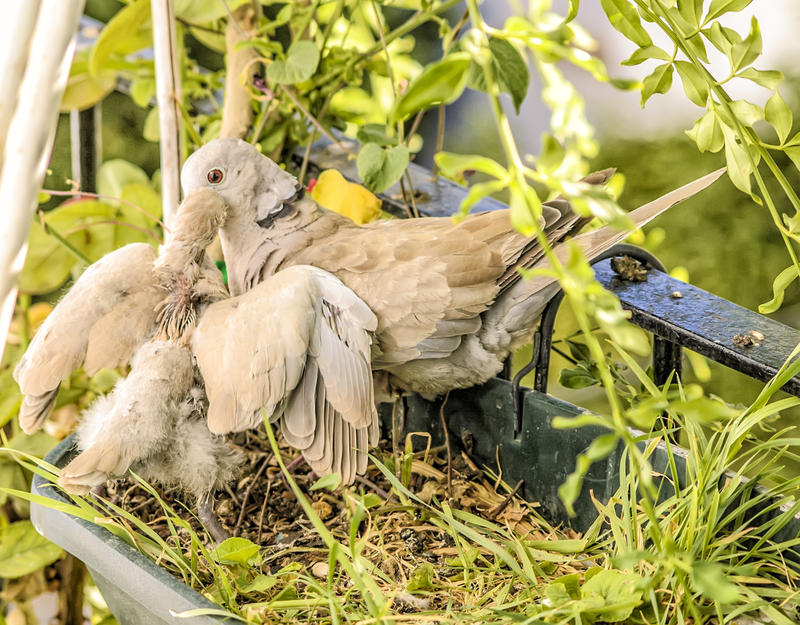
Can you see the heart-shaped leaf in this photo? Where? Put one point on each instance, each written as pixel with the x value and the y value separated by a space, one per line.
pixel 300 64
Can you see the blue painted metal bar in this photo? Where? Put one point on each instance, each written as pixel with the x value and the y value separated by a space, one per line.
pixel 705 323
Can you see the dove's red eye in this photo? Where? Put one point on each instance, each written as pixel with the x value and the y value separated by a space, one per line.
pixel 215 176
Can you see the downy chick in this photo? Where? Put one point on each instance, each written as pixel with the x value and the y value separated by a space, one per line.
pixel 297 351
pixel 153 422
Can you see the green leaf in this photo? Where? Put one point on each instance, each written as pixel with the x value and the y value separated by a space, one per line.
pixel 83 89
pixel 648 52
pixel 525 210
pixel 578 351
pixel 738 165
pixel 720 7
pixel 144 197
pixel 260 583
pixel 747 112
pixel 722 38
pixel 615 592
pixel 49 263
pixel 479 191
pixel 710 580
pixel 557 594
pixel 12 477
pixel 779 286
pixel 745 52
pixel 452 164
pixel 694 83
pixel 659 81
pixel 23 550
pixel 143 90
pixel 766 78
pixel 235 550
pixel 574 5
pixel 10 396
pixel 552 154
pixel 707 133
pixel 300 64
pixel 117 32
pixel 601 447
pixel 578 377
pixel 116 174
pixel 793 152
pixel 704 410
pixel 151 130
pixel 625 19
pixel 698 46
pixel 375 133
pixel 510 70
pixel 439 83
pixel 779 116
pixel 691 11
pixel 204 11
pixel 380 168
pixel 37 444
pixel 421 578
pixel 328 482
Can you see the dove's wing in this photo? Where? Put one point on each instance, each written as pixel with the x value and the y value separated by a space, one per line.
pixel 298 347
pixel 106 314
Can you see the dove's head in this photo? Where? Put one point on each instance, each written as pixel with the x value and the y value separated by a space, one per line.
pixel 251 185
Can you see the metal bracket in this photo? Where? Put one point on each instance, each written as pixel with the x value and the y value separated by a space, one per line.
pixel 666 354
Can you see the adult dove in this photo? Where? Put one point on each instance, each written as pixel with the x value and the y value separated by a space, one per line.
pixel 449 299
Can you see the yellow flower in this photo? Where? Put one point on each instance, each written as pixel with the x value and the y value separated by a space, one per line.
pixel 352 200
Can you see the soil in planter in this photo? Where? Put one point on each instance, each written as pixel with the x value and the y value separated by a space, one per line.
pixel 261 507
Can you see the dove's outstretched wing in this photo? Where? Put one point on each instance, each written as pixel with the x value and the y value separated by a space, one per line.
pixel 107 313
pixel 298 347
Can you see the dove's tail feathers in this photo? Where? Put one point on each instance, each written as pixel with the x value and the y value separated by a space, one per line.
pixel 35 409
pixel 598 241
pixel 91 468
pixel 511 319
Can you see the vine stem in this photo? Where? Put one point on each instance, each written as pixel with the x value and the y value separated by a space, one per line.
pixel 517 170
pixel 63 242
pixel 296 101
pixel 419 18
pixel 748 136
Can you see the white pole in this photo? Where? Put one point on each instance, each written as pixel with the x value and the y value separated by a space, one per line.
pixel 30 135
pixel 168 94
pixel 16 30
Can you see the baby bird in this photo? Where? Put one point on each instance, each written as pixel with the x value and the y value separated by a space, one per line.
pixel 153 423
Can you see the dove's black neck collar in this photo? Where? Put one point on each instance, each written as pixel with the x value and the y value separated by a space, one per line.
pixel 287 208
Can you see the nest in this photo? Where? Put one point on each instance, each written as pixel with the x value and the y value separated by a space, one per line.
pixel 401 539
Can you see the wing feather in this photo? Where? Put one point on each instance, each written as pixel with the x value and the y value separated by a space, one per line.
pixel 105 316
pixel 297 346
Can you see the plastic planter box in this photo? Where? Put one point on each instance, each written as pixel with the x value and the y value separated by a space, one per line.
pixel 139 592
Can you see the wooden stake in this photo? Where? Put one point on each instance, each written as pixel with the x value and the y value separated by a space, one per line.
pixel 237 110
pixel 168 95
